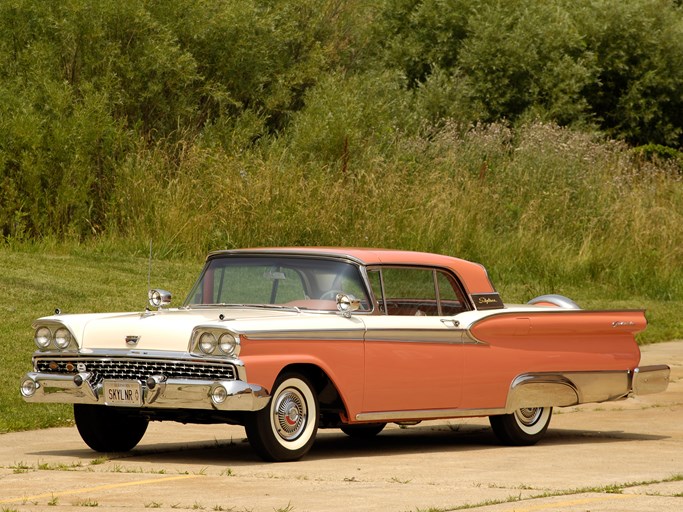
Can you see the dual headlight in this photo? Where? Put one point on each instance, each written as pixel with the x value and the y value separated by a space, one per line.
pixel 215 342
pixel 54 337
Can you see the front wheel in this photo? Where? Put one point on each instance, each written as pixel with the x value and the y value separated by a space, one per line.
pixel 523 427
pixel 105 429
pixel 285 429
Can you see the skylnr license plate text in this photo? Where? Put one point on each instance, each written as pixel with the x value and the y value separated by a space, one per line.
pixel 125 393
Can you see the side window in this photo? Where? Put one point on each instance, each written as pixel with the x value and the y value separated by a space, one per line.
pixel 452 298
pixel 417 291
pixel 376 285
pixel 410 291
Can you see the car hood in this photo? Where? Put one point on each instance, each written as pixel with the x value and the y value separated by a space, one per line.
pixel 168 330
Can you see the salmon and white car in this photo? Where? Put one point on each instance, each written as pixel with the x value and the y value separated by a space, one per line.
pixel 286 341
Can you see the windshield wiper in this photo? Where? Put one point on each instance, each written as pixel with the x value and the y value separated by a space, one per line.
pixel 258 306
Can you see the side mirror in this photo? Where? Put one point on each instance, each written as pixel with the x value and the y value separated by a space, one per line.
pixel 347 304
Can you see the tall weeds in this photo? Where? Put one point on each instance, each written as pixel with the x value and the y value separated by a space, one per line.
pixel 542 204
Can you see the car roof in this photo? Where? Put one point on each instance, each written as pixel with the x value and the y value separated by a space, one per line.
pixel 473 275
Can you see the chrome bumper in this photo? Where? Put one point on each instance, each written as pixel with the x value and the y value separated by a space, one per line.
pixel 650 379
pixel 573 388
pixel 220 395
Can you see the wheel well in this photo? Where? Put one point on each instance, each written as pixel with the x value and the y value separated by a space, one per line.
pixel 328 395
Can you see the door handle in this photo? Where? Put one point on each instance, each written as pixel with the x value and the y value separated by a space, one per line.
pixel 451 321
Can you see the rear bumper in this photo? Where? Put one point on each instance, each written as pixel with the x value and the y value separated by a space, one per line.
pixel 220 395
pixel 650 379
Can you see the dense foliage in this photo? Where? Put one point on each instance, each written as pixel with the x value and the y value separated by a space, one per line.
pixel 480 128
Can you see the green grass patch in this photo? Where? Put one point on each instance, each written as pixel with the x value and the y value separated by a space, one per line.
pixel 35 283
pixel 99 279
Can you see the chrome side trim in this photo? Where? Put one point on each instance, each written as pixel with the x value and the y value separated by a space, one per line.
pixel 433 414
pixel 398 335
pixel 357 334
pixel 651 379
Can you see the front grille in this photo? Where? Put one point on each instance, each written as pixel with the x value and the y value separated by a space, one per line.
pixel 139 369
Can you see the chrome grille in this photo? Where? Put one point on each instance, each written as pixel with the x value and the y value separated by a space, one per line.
pixel 140 369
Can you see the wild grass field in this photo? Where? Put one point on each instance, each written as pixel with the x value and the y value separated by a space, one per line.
pixel 544 208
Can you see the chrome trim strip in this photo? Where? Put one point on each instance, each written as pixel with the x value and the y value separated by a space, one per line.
pixel 451 336
pixel 380 335
pixel 307 334
pixel 651 379
pixel 433 414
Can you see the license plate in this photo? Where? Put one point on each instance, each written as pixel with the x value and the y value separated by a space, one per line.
pixel 126 393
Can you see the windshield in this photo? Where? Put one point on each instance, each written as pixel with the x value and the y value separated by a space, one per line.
pixel 305 283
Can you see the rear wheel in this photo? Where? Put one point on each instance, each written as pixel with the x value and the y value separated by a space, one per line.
pixel 363 431
pixel 523 427
pixel 285 429
pixel 105 429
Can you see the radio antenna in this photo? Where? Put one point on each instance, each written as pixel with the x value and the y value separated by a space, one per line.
pixel 149 271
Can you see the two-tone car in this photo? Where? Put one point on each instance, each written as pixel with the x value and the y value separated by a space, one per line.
pixel 285 341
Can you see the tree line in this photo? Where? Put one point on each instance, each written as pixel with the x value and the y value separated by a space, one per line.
pixel 91 92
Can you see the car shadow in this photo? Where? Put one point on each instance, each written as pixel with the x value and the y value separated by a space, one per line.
pixel 333 444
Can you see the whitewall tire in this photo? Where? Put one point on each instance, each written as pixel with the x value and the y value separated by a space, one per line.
pixel 523 427
pixel 285 429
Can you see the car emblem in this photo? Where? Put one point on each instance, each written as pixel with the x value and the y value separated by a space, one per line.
pixel 81 367
pixel 132 340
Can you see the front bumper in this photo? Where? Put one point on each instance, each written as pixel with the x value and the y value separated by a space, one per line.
pixel 171 393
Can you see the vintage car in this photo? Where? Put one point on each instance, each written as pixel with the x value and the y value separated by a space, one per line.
pixel 286 341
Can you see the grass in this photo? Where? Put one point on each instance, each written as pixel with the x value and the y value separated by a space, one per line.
pixel 36 280
pixel 35 283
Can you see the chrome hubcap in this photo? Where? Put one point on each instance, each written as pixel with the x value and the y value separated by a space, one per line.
pixel 289 414
pixel 529 416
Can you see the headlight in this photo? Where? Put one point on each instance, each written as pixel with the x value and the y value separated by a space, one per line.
pixel 43 338
pixel 62 338
pixel 207 343
pixel 227 344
